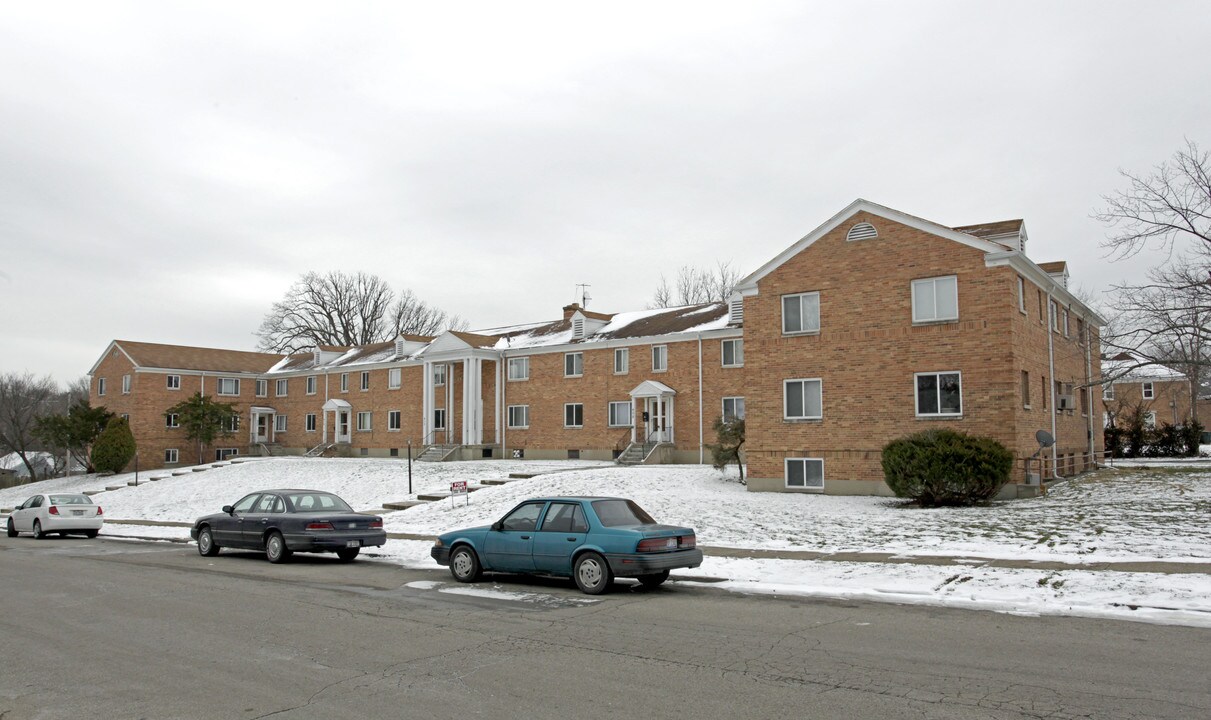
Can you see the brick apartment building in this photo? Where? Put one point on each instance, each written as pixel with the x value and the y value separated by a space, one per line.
pixel 875 325
pixel 1160 392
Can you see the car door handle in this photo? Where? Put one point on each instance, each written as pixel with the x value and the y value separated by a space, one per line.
pixel 573 539
pixel 264 520
pixel 525 537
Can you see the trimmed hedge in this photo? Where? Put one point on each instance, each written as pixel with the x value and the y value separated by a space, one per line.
pixel 944 467
pixel 114 448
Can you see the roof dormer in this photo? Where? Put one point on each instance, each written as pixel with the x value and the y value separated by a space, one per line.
pixel 406 345
pixel 585 324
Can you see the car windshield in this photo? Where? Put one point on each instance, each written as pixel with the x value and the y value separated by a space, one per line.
pixel 317 502
pixel 70 500
pixel 618 513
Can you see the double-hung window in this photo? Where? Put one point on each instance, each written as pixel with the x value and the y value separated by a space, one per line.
pixel 519 416
pixel 801 313
pixel 939 394
pixel 311 384
pixel 620 414
pixel 733 408
pixel 439 418
pixel 802 399
pixel 310 422
pixel 935 299
pixel 282 387
pixel 229 386
pixel 622 361
pixel 174 382
pixel 344 382
pixel 660 358
pixel 733 353
pixel 804 473
pixel 363 421
pixel 279 423
pixel 125 384
pixel 573 415
pixel 394 378
pixel 519 368
pixel 393 420
pixel 262 388
pixel 172 420
pixel 439 374
pixel 171 456
pixel 1108 391
pixel 365 380
pixel 1021 295
pixel 100 386
pixel 1148 390
pixel 573 364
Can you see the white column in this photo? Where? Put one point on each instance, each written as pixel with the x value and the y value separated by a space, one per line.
pixel 672 425
pixel 325 414
pixel 500 393
pixel 449 403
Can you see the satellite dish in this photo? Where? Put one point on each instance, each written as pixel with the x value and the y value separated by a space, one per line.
pixel 1044 439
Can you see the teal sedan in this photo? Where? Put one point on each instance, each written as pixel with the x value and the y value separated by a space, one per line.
pixel 590 539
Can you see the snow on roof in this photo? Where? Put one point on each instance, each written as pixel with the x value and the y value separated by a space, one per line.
pixel 636 324
pixel 1127 368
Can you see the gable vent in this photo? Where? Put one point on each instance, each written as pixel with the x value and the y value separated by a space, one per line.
pixel 578 328
pixel 735 311
pixel 399 347
pixel 862 231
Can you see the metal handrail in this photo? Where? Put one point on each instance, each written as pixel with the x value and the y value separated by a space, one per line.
pixel 649 444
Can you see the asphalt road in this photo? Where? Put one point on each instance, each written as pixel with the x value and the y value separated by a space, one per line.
pixel 115 629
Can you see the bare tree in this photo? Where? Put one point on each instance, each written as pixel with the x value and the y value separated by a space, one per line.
pixel 695 286
pixel 342 309
pixel 23 399
pixel 1172 203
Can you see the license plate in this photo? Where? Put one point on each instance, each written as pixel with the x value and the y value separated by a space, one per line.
pixel 353 543
pixel 77 512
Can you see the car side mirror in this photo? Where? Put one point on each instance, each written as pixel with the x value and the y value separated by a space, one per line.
pixel 498 525
pixel 229 509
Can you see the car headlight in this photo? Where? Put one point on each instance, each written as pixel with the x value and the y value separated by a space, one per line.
pixel 437 543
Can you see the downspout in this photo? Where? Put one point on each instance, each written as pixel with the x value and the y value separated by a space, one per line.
pixel 1089 392
pixel 701 447
pixel 1051 321
pixel 502 422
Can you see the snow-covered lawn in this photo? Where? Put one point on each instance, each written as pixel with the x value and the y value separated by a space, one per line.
pixel 1116 515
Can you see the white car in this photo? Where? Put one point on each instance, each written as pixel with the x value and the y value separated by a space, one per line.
pixel 61 513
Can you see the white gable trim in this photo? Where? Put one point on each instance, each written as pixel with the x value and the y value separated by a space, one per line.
pixel 112 344
pixel 748 286
pixel 651 388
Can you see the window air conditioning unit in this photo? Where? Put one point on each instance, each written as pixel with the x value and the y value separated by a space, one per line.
pixel 1064 402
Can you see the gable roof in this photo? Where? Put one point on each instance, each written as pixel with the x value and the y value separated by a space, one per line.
pixel 184 357
pixel 625 325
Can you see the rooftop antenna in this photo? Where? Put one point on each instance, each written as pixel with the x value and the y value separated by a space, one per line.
pixel 583 289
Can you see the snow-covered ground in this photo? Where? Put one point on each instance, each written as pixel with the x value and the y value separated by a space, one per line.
pixel 1125 514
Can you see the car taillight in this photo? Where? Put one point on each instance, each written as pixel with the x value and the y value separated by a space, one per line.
pixel 657 544
pixel 99 510
pixel 689 541
pixel 376 524
pixel 53 510
pixel 320 526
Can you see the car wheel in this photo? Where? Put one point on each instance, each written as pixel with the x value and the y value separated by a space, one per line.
pixel 206 544
pixel 347 554
pixel 275 548
pixel 12 529
pixel 654 580
pixel 91 533
pixel 592 574
pixel 464 565
pixel 38 534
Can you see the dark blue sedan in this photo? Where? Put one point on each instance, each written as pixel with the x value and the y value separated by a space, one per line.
pixel 591 539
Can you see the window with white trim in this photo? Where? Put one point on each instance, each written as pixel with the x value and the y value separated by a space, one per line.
pixel 125 384
pixel 363 422
pixel 620 414
pixel 279 423
pixel 283 386
pixel 344 382
pixel 573 415
pixel 622 361
pixel 1148 391
pixel 1055 316
pixel 393 420
pixel 311 384
pixel 439 418
pixel 939 394
pixel 1021 295
pixel 519 368
pixel 1066 322
pixel 229 386
pixel 802 399
pixel 395 378
pixel 1150 419
pixel 231 423
pixel 173 382
pixel 365 380
pixel 262 388
pixel 801 313
pixel 224 453
pixel 733 408
pixel 660 358
pixel 804 473
pixel 310 422
pixel 733 353
pixel 519 417
pixel 1108 391
pixel 935 299
pixel 171 456
pixel 172 420
pixel 439 374
pixel 100 386
pixel 573 364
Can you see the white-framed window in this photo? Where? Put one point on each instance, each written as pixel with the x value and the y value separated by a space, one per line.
pixel 939 393
pixel 310 422
pixel 573 415
pixel 100 386
pixel 802 399
pixel 1055 316
pixel 1021 295
pixel 733 353
pixel 804 473
pixel 1108 391
pixel 172 420
pixel 393 420
pixel 173 382
pixel 733 408
pixel 1026 389
pixel 279 423
pixel 622 361
pixel 1148 390
pixel 1150 419
pixel 801 313
pixel 439 418
pixel 311 384
pixel 125 384
pixel 519 416
pixel 1066 322
pixel 935 299
pixel 363 422
pixel 224 453
pixel 573 364
pixel 620 414
pixel 281 388
pixel 519 368
pixel 262 388
pixel 439 374
pixel 660 358
pixel 126 417
pixel 395 378
pixel 344 382
pixel 171 456
pixel 229 386
pixel 365 380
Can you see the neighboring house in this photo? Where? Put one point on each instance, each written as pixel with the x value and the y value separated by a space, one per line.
pixel 1162 393
pixel 875 325
pixel 43 463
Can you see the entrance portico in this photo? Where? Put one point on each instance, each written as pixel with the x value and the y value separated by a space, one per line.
pixel 656 420
pixel 261 427
pixel 341 411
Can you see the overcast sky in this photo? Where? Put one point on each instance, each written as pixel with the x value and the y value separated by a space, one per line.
pixel 168 169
